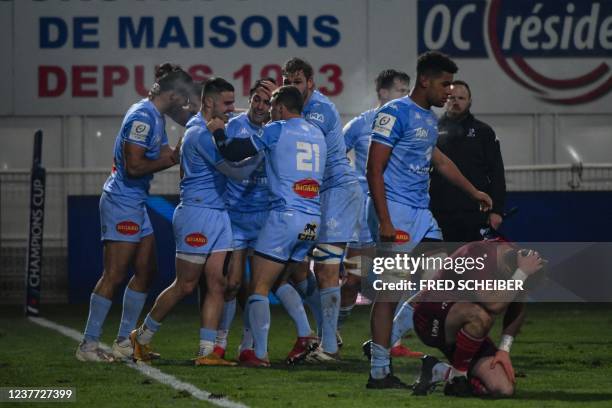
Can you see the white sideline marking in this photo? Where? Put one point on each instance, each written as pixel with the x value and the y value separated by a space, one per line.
pixel 145 369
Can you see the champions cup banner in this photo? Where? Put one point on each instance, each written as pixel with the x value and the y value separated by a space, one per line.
pixel 97 57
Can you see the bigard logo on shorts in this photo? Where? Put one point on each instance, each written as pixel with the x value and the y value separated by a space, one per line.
pixel 309 233
pixel 127 228
pixel 401 237
pixel 307 188
pixel 196 239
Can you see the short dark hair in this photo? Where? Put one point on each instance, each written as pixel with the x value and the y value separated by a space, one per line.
pixel 214 86
pixel 259 84
pixel 295 65
pixel 170 77
pixel 433 63
pixel 463 83
pixel 385 79
pixel 290 97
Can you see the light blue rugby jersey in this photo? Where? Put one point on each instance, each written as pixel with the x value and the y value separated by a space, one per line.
pixel 250 194
pixel 320 111
pixel 295 162
pixel 144 126
pixel 202 184
pixel 357 136
pixel 411 132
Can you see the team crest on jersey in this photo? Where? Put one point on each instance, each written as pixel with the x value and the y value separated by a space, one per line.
pixel 127 228
pixel 401 237
pixel 196 239
pixel 139 131
pixel 383 124
pixel 307 188
pixel 309 233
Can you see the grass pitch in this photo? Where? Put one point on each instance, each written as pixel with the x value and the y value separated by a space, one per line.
pixel 563 357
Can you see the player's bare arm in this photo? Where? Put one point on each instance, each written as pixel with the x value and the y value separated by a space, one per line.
pixel 137 164
pixel 449 170
pixel 378 157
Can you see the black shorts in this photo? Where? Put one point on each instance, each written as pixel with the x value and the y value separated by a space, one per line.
pixel 429 320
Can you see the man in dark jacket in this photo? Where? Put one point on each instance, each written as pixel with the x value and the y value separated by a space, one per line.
pixel 474 148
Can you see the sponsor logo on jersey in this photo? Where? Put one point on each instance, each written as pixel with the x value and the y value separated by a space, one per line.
pixel 383 124
pixel 319 117
pixel 307 188
pixel 401 237
pixel 127 228
pixel 139 131
pixel 196 239
pixel 309 233
pixel 421 133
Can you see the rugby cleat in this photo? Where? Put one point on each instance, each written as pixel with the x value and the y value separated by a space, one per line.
pixel 402 351
pixel 302 346
pixel 458 387
pixel 249 359
pixel 366 347
pixel 220 351
pixel 213 359
pixel 92 352
pixel 123 350
pixel 318 356
pixel 339 340
pixel 245 355
pixel 389 382
pixel 142 352
pixel 424 384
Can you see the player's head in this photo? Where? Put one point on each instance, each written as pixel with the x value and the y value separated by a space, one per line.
pixel 287 102
pixel 259 101
pixel 434 77
pixel 298 73
pixel 218 98
pixel 172 85
pixel 392 84
pixel 460 100
pixel 182 116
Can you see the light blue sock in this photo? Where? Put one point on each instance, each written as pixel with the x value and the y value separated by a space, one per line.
pixel 292 302
pixel 330 304
pixel 402 322
pixel 259 319
pixel 151 324
pixel 132 306
pixel 207 334
pixel 309 290
pixel 343 314
pixel 227 317
pixel 98 309
pixel 380 361
pixel 247 336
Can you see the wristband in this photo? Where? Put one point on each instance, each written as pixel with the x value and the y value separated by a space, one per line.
pixel 519 275
pixel 506 342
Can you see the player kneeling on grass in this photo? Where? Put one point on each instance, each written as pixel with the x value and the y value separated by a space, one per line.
pixel 295 153
pixel 460 327
pixel 201 225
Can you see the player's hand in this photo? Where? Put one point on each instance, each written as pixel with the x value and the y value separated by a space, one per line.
pixel 215 123
pixel 495 220
pixel 484 200
pixel 503 358
pixel 386 231
pixel 268 88
pixel 176 153
pixel 530 261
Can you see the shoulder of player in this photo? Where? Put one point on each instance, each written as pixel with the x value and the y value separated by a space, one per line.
pixel 321 109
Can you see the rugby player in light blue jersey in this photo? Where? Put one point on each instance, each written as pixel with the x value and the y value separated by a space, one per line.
pixel 201 225
pixel 403 148
pixel 248 203
pixel 341 205
pixel 141 149
pixel 295 161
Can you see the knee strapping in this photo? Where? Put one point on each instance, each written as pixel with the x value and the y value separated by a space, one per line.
pixel 327 254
